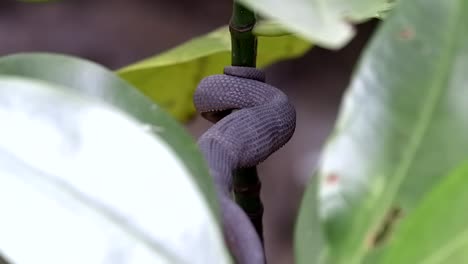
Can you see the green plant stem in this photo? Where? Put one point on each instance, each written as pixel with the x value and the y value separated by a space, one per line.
pixel 244 53
pixel 244 42
pixel 247 194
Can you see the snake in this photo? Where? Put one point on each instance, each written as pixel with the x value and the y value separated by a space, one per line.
pixel 252 120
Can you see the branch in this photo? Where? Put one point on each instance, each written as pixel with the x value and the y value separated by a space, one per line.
pixel 244 53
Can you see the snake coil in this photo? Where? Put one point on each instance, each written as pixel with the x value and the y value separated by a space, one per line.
pixel 262 121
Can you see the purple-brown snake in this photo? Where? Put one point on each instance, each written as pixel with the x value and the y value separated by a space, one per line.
pixel 261 122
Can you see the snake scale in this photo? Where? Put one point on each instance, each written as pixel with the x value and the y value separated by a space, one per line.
pixel 253 120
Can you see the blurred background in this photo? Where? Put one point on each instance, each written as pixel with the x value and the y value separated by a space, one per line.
pixel 119 32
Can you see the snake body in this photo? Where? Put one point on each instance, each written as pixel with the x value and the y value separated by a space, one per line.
pixel 260 121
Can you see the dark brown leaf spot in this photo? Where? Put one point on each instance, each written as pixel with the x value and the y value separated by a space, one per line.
pixel 386 228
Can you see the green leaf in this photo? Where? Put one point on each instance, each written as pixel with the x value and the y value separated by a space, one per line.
pixel 403 125
pixel 82 182
pixel 437 230
pixel 324 22
pixel 170 78
pixel 309 242
pixel 270 29
pixel 95 81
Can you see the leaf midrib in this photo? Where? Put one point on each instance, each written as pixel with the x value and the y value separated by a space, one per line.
pixel 421 127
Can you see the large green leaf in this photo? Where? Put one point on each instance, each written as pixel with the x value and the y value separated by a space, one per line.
pixel 82 182
pixel 325 22
pixel 171 77
pixel 98 82
pixel 309 243
pixel 437 231
pixel 403 125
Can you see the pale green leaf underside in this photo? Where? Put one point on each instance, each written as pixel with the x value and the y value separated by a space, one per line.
pixel 324 22
pixel 403 125
pixel 170 78
pixel 97 82
pixel 81 182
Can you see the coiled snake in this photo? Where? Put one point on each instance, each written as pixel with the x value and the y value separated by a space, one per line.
pixel 261 122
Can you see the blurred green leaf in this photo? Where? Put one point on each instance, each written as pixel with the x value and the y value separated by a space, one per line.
pixel 310 244
pixel 171 77
pixel 270 28
pixel 403 125
pixel 324 22
pixel 93 80
pixel 77 175
pixel 436 232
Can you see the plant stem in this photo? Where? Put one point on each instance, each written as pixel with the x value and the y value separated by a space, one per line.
pixel 244 43
pixel 247 194
pixel 244 53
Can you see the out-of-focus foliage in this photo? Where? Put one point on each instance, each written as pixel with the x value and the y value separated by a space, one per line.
pixel 171 77
pixel 310 244
pixel 96 160
pixel 403 126
pixel 323 22
pixel 95 81
pixel 437 230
